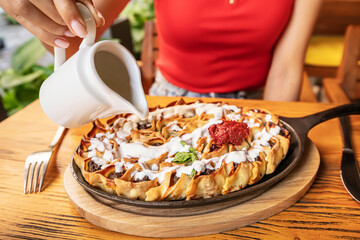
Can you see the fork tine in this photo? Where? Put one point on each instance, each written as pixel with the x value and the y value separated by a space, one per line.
pixel 37 169
pixel 27 166
pixel 32 176
pixel 34 161
pixel 45 164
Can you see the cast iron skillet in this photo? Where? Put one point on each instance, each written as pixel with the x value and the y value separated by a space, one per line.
pixel 298 128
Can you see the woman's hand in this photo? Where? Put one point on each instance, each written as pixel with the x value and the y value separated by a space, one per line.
pixel 52 20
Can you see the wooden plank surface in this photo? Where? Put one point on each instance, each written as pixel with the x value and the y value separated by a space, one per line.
pixel 327 211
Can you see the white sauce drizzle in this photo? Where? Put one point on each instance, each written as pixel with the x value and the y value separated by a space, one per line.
pixel 234 116
pixel 146 153
pixel 118 167
pixel 192 138
pixel 108 156
pixel 174 126
pixel 268 118
pixel 99 161
pixel 155 167
pixel 251 123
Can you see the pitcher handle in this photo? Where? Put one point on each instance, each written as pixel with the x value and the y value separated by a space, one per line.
pixel 89 40
pixel 59 57
pixel 89 20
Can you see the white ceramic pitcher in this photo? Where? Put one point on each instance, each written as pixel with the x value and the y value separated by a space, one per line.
pixel 98 81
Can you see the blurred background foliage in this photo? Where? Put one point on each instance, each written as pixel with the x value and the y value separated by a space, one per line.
pixel 20 84
pixel 138 11
pixel 9 19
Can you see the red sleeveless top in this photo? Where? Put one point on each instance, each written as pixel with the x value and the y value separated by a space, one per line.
pixel 218 45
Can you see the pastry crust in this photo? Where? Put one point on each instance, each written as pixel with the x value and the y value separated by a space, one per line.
pixel 183 151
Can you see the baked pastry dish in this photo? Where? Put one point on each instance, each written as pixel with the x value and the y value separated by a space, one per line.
pixel 184 151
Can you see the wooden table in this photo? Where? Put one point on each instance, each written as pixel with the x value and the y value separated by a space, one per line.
pixel 327 211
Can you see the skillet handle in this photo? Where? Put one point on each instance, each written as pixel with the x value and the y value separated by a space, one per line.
pixel 308 122
pixel 346 132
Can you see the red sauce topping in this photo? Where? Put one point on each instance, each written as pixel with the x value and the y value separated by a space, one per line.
pixel 229 132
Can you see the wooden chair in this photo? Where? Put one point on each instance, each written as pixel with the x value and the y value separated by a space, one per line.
pixel 306 93
pixel 326 45
pixel 120 29
pixel 346 86
pixel 150 52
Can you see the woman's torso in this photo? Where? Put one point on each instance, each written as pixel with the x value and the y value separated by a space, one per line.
pixel 217 45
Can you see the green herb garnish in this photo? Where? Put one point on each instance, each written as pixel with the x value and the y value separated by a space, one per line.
pixel 193 172
pixel 183 157
pixel 191 149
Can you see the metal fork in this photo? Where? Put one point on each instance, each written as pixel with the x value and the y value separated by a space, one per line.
pixel 37 159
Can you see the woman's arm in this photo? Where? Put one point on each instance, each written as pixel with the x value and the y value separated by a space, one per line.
pixel 285 75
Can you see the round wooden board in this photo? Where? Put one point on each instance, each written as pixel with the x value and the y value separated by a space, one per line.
pixel 279 197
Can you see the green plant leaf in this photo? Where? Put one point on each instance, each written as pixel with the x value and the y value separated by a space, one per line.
pixel 10 102
pixel 138 11
pixel 47 70
pixel 13 79
pixel 27 55
pixel 27 93
pixel 20 85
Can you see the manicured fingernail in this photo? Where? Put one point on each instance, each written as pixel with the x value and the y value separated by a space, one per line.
pixel 61 43
pixel 102 18
pixel 68 33
pixel 78 28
